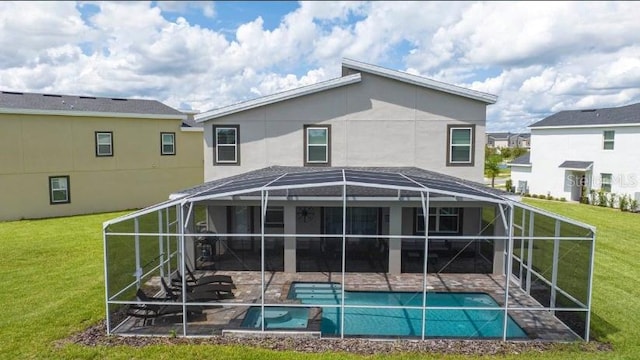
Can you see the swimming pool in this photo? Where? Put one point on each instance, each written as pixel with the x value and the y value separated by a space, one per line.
pixel 443 323
pixel 276 318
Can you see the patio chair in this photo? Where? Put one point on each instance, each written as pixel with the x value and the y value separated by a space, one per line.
pixel 223 291
pixel 193 281
pixel 197 295
pixel 152 311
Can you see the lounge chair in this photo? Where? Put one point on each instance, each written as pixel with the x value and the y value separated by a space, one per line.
pixel 223 291
pixel 153 311
pixel 192 296
pixel 193 281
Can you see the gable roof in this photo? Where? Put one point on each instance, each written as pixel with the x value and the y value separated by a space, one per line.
pixel 70 105
pixel 343 81
pixel 420 81
pixel 624 115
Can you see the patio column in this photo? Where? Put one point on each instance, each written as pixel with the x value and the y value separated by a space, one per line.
pixel 395 244
pixel 499 245
pixel 290 241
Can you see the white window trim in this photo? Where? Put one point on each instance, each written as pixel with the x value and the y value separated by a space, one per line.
pixel 609 182
pixel 606 141
pixel 326 145
pixel 235 146
pixel 451 145
pixel 172 143
pixel 98 143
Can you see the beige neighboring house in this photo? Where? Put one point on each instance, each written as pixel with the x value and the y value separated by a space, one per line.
pixel 65 155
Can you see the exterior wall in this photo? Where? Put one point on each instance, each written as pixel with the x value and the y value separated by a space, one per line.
pixel 377 122
pixel 34 147
pixel 521 173
pixel 551 147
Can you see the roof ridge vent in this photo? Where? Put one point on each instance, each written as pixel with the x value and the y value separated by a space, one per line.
pixel 87 97
pixel 118 99
pixel 52 95
pixel 12 93
pixel 588 110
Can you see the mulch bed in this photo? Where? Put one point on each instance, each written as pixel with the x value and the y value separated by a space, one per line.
pixel 96 336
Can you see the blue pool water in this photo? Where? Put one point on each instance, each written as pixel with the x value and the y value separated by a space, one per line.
pixel 449 323
pixel 276 318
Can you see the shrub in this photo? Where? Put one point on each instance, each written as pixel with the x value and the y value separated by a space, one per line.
pixel 527 194
pixel 563 199
pixel 633 205
pixel 509 185
pixel 549 197
pixel 612 200
pixel 623 202
pixel 534 196
pixel 592 195
pixel 602 198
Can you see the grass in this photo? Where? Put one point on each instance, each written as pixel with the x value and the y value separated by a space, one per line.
pixel 53 286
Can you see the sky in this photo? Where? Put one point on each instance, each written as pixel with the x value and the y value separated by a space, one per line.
pixel 538 58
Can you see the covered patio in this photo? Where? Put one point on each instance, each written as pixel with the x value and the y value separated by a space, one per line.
pixel 308 249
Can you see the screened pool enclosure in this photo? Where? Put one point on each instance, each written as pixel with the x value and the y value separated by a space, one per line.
pixel 341 252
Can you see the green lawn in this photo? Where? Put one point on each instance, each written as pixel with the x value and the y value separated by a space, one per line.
pixel 51 276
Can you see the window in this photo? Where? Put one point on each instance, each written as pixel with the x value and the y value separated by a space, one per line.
pixel 59 190
pixel 608 138
pixel 605 182
pixel 226 148
pixel 460 144
pixel 317 145
pixel 522 187
pixel 441 220
pixel 104 143
pixel 167 143
pixel 274 217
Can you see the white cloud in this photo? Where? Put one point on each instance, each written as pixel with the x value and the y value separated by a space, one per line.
pixel 538 58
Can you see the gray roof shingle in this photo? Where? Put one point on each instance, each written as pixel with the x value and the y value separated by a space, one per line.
pixel 522 160
pixel 572 164
pixel 629 114
pixel 68 103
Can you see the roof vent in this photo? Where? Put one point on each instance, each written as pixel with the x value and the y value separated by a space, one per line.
pixel 52 95
pixel 12 93
pixel 589 110
pixel 118 99
pixel 87 97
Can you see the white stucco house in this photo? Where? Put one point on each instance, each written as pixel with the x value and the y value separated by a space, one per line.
pixel 578 150
pixel 371 181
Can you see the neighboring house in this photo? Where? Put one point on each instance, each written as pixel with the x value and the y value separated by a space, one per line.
pixel 502 140
pixel 521 173
pixel 65 155
pixel 578 150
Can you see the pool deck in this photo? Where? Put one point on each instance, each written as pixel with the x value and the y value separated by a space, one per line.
pixel 223 315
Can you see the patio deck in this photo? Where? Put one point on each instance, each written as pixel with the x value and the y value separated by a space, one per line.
pixel 539 325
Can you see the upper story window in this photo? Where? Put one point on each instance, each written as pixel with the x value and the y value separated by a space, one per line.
pixel 441 220
pixel 460 145
pixel 226 144
pixel 274 217
pixel 167 143
pixel 104 143
pixel 605 182
pixel 608 137
pixel 317 145
pixel 59 190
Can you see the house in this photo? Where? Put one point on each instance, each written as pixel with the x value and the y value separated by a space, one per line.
pixel 370 183
pixel 65 155
pixel 576 151
pixel 502 140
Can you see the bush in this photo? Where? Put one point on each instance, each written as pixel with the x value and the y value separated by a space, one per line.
pixel 602 198
pixel 612 200
pixel 549 197
pixel 592 195
pixel 534 196
pixel 509 185
pixel 563 199
pixel 527 194
pixel 633 205
pixel 623 202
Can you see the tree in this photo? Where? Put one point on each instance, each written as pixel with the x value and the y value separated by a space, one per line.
pixel 492 167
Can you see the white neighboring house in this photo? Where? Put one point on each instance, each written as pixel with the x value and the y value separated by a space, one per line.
pixel 578 150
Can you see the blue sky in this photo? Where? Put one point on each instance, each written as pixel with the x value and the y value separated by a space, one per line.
pixel 539 58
